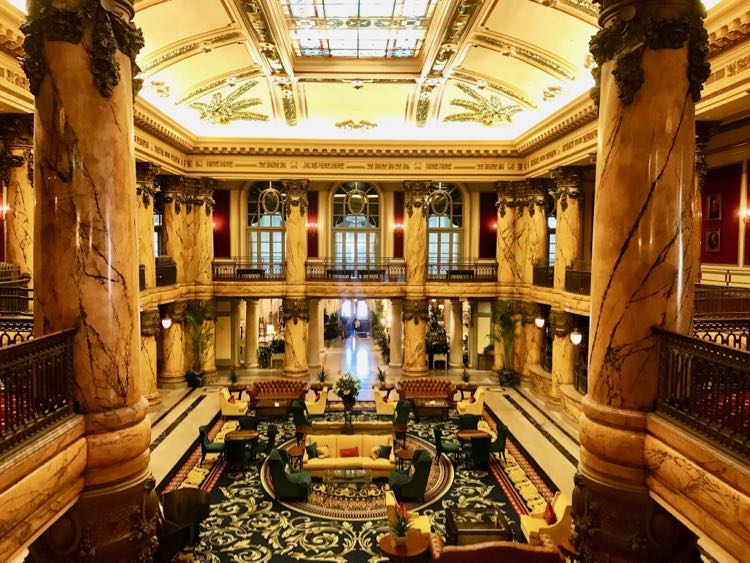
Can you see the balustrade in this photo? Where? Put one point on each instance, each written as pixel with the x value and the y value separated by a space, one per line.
pixel 166 271
pixel 721 302
pixel 384 270
pixel 244 269
pixel 578 278
pixel 543 276
pixel 463 270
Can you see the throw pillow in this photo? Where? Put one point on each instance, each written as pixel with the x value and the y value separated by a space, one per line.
pixel 312 450
pixel 349 452
pixel 549 514
pixel 323 452
pixel 231 399
pixel 472 399
pixel 375 452
pixel 384 452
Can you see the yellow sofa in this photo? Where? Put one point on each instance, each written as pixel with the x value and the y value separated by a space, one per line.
pixel 336 442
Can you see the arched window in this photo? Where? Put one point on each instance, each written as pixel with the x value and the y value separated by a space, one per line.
pixel 444 224
pixel 265 224
pixel 356 223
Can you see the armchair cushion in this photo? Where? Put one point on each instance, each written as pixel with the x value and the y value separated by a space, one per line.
pixel 549 514
pixel 349 452
pixel 312 450
pixel 385 452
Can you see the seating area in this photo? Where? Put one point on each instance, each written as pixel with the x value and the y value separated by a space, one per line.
pixel 276 390
pixel 231 406
pixel 340 451
pixel 426 388
pixel 554 521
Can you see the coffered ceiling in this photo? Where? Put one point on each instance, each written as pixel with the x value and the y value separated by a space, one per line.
pixel 377 69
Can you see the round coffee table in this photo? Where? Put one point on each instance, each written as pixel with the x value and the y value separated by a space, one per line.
pixel 416 544
pixel 241 436
pixel 403 457
pixel 469 435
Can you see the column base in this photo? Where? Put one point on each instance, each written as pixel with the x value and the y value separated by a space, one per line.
pixel 410 372
pixel 115 524
pixel 296 372
pixel 172 381
pixel 153 399
pixel 395 366
pixel 623 524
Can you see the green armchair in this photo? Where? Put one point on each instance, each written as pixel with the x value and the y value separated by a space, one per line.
pixel 413 486
pixel 248 422
pixel 468 421
pixel 292 486
pixel 452 449
pixel 207 446
pixel 403 409
pixel 299 413
pixel 498 446
pixel 480 452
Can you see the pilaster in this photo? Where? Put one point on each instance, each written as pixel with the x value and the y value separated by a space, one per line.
pixel 568 194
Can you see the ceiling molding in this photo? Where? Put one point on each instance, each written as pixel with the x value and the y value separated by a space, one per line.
pixel 560 124
pixel 151 120
pixel 265 43
pixel 730 35
pixel 459 26
pixel 215 83
pixel 177 52
pixel 524 52
pixel 583 10
pixel 507 90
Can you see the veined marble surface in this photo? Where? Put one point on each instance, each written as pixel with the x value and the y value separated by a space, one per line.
pixel 19 217
pixel 567 239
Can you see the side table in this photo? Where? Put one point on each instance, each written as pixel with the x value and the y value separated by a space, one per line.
pixel 399 431
pixel 403 459
pixel 416 544
pixel 296 453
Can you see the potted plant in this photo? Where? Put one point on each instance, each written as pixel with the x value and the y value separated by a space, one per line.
pixel 380 376
pixel 264 356
pixel 504 333
pixel 196 314
pixel 233 377
pixel 400 524
pixel 465 376
pixel 322 375
pixel 347 388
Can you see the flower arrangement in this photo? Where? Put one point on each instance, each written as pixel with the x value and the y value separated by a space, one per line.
pixel 400 524
pixel 346 387
pixel 380 375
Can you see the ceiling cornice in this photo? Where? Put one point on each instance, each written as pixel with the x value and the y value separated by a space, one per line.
pixel 148 118
pixel 728 32
pixel 215 83
pixel 177 52
pixel 507 90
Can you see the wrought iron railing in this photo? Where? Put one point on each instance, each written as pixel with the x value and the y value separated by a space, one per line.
pixel 166 271
pixel 384 270
pixel 15 297
pixel 463 270
pixel 729 332
pixel 721 302
pixel 36 386
pixel 543 276
pixel 16 329
pixel 705 388
pixel 9 272
pixel 244 269
pixel 578 278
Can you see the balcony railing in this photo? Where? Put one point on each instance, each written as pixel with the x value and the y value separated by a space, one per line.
pixel 705 387
pixel 15 329
pixel 543 276
pixel 166 271
pixel 722 302
pixel 578 278
pixel 734 333
pixel 9 272
pixel 36 386
pixel 243 269
pixel 383 270
pixel 15 297
pixel 463 270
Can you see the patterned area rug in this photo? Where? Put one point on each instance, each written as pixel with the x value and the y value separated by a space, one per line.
pixel 246 524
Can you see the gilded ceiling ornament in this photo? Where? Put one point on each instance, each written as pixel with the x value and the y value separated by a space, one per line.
pixel 416 310
pixel 556 68
pixel 417 194
pixel 223 110
pixel 353 125
pixel 109 33
pixel 424 101
pixel 489 112
pixel 625 39
pixel 214 84
pixel 193 46
pixel 513 93
pixel 295 309
pixel 457 27
pixel 288 102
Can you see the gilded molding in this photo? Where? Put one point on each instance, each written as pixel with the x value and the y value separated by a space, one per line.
pixel 559 130
pixel 109 33
pixel 256 17
pixel 214 84
pixel 417 195
pixel 295 309
pixel 527 55
pixel 159 60
pixel 424 101
pixel 295 192
pixel 352 125
pixel 729 36
pixel 150 322
pixel 225 109
pixel 415 309
pixel 145 181
pixel 456 29
pixel 561 323
pixel 489 111
pixel 288 102
pixel 628 30
pixel 511 92
pixel 568 184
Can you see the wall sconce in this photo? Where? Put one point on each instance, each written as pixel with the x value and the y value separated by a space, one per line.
pixel 539 322
pixel 745 216
pixel 493 226
pixel 166 322
pixel 576 337
pixel 398 228
pixel 312 226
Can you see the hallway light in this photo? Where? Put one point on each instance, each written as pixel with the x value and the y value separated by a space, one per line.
pixel 539 322
pixel 166 322
pixel 576 337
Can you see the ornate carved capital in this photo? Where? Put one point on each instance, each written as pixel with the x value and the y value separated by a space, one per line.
pixel 530 311
pixel 176 311
pixel 110 30
pixel 145 181
pixel 612 524
pixel 568 184
pixel 704 130
pixel 628 28
pixel 561 323
pixel 295 192
pixel 416 195
pixel 17 130
pixel 295 309
pixel 150 322
pixel 416 310
pixel 535 191
pixel 507 193
pixel 188 192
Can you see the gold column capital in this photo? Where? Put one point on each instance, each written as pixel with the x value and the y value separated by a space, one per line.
pixel 296 194
pixel 417 194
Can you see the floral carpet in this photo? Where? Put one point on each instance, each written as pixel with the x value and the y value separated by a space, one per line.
pixel 247 524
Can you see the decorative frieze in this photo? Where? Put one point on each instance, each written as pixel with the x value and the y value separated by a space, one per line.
pixel 416 310
pixel 416 196
pixel 150 322
pixel 561 323
pixel 145 181
pixel 188 192
pixel 295 309
pixel 110 32
pixel 568 184
pixel 295 194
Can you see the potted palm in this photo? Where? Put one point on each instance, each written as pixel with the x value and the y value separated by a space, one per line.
pixel 196 314
pixel 504 333
pixel 380 376
pixel 400 525
pixel 322 375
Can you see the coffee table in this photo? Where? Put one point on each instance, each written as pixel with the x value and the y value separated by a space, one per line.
pixel 353 478
pixel 272 408
pixel 431 408
pixel 416 544
pixel 464 526
pixel 403 459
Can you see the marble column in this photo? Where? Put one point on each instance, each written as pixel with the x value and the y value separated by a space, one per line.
pixel 295 192
pixel 563 353
pixel 415 235
pixel 509 268
pixel 533 246
pixel 568 193
pixel 150 326
pixel 145 190
pixel 177 240
pixel 296 314
pixel 533 337
pixel 17 170
pixel 314 335
pixel 174 362
pixel 643 266
pixel 415 327
pixel 704 130
pixel 208 359
pixel 457 335
pixel 86 267
pixel 251 333
pixel 397 331
pixel 498 353
pixel 203 232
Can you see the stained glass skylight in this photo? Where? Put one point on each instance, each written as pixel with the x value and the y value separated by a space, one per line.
pixel 358 28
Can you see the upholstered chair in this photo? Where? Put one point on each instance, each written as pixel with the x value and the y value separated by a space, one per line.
pixel 293 486
pixel 383 407
pixel 475 405
pixel 229 405
pixel 412 486
pixel 318 406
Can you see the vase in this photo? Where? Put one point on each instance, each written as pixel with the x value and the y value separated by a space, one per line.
pixel 399 540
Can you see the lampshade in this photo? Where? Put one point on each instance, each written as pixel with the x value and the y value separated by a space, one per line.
pixel 539 322
pixel 576 337
pixel 166 321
